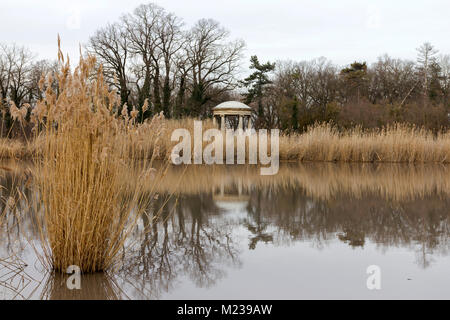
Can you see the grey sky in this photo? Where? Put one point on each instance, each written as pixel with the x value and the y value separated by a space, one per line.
pixel 342 31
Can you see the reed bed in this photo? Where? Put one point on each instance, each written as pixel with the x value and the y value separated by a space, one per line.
pixel 14 149
pixel 85 211
pixel 399 143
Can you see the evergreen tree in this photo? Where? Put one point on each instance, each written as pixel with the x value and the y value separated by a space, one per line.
pixel 256 83
pixel 435 91
pixel 356 78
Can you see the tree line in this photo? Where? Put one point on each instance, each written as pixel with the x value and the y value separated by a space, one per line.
pixel 293 95
pixel 150 55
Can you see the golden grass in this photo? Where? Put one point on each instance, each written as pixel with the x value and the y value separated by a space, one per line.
pixel 87 211
pixel 13 149
pixel 400 143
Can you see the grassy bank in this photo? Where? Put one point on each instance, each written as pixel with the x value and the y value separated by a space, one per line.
pixel 400 143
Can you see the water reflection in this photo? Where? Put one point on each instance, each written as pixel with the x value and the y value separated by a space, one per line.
pixel 98 286
pixel 189 239
pixel 214 215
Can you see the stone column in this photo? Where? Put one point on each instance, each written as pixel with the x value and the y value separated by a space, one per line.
pixel 222 122
pixel 214 121
pixel 249 124
pixel 241 123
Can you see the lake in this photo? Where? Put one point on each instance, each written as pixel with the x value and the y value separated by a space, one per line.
pixel 225 232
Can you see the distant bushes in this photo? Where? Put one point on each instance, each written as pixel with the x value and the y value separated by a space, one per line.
pixel 434 117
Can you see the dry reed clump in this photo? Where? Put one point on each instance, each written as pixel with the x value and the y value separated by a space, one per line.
pixel 87 211
pixel 397 143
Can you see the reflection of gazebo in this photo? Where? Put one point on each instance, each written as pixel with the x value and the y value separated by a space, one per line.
pixel 231 193
pixel 232 197
pixel 233 110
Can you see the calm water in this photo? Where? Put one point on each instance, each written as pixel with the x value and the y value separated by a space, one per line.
pixel 227 233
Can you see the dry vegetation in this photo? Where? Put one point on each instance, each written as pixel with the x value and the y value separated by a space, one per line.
pixel 86 211
pixel 399 143
pixel 85 145
pixel 13 149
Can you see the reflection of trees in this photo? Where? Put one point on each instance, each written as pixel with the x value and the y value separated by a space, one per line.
pixel 16 218
pixel 188 238
pixel 17 226
pixel 421 223
pixel 255 224
pixel 191 236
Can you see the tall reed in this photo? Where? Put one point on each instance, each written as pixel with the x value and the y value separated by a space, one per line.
pixel 399 143
pixel 87 211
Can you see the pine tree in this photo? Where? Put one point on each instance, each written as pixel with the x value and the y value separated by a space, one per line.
pixel 356 77
pixel 257 82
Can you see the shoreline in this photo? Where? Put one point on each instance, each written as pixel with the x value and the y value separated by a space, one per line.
pixel 399 143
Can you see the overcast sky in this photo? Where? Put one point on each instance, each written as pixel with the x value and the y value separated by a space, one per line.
pixel 341 30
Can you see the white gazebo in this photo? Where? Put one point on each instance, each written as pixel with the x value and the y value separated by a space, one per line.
pixel 233 110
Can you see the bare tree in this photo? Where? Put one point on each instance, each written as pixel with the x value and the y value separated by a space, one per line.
pixel 141 27
pixel 215 61
pixel 15 68
pixel 324 84
pixel 426 57
pixel 171 42
pixel 183 69
pixel 155 59
pixel 38 70
pixel 444 63
pixel 391 80
pixel 301 76
pixel 110 45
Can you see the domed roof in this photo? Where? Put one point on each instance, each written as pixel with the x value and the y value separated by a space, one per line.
pixel 233 105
